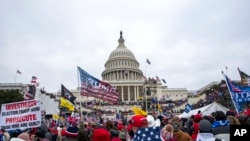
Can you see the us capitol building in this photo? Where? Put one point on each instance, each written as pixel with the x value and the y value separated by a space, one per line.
pixel 122 71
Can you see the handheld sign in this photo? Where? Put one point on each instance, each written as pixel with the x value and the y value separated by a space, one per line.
pixel 20 115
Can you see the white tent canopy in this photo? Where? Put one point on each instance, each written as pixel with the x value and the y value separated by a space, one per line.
pixel 206 110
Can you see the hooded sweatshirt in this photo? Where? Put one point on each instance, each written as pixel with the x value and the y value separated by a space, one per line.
pixel 182 136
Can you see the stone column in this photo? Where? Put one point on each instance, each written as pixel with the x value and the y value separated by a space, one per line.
pixel 122 94
pixel 128 93
pixel 135 88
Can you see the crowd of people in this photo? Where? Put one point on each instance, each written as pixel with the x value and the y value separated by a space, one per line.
pixel 139 127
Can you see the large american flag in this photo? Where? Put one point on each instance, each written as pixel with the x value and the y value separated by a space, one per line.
pixel 93 87
pixel 148 134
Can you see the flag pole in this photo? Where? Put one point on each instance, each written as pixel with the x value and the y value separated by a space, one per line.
pixel 79 92
pixel 145 90
pixel 230 93
pixel 226 70
pixel 15 77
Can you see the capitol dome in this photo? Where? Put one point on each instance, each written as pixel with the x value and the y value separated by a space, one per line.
pixel 121 64
pixel 121 51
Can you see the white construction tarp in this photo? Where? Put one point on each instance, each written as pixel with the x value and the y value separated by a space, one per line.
pixel 206 110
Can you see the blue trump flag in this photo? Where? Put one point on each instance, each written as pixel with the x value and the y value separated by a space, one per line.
pixel 188 108
pixel 239 94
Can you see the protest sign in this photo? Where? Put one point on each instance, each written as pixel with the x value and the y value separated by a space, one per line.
pixel 20 115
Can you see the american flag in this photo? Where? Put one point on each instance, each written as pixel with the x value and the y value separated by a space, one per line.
pixel 30 92
pixel 33 79
pixel 148 134
pixel 93 87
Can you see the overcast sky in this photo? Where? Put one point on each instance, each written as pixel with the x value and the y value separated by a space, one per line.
pixel 189 42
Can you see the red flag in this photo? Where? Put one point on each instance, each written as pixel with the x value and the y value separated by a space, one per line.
pixel 18 72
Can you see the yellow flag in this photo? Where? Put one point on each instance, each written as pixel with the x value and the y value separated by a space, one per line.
pixel 55 116
pixel 65 103
pixel 138 111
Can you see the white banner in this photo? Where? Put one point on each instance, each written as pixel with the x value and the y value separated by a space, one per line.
pixel 20 115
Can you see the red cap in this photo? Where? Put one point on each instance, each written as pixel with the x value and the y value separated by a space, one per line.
pixel 120 127
pixel 139 121
pixel 129 127
pixel 101 134
pixel 247 112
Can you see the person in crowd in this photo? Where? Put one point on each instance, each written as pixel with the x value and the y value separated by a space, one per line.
pixel 25 136
pixel 233 120
pixel 114 135
pixel 231 113
pixel 167 133
pixel 220 127
pixel 6 134
pixel 178 133
pixel 209 118
pixel 189 124
pixel 146 129
pixel 71 131
pixel 244 120
pixel 59 133
pixel 101 134
pixel 82 133
pixel 40 136
pixel 135 123
pixel 44 129
pixel 205 132
pixel 130 132
pixel 2 137
pixel 110 125
pixel 195 127
pixel 122 135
